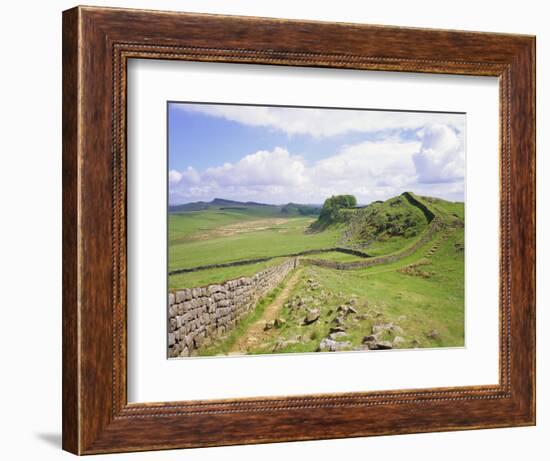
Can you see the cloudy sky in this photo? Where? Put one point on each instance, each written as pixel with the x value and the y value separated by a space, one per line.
pixel 303 155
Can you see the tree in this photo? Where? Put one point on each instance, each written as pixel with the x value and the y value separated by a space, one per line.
pixel 335 203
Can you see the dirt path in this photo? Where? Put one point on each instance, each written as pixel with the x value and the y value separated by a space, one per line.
pixel 255 334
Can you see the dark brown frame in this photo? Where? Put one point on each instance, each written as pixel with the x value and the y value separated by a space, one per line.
pixel 97 43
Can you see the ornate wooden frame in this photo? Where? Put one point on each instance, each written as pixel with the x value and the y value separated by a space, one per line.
pixel 97 43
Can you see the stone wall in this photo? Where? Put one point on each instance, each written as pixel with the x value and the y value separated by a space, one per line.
pixel 245 262
pixel 417 203
pixel 197 316
pixel 434 226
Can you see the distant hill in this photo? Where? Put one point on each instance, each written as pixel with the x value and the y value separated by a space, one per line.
pixel 289 209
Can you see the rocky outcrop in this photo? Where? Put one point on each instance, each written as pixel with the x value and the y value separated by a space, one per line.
pixel 197 316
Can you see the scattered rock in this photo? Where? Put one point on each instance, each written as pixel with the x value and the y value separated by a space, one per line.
pixel 434 334
pixel 370 338
pixel 389 327
pixel 269 325
pixel 313 284
pixel 338 320
pixel 278 323
pixel 329 345
pixel 339 329
pixel 381 327
pixel 339 334
pixel 312 316
pixel 398 341
pixel 282 344
pixel 344 309
pixel 379 345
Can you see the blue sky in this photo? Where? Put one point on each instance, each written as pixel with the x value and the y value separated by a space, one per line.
pixel 282 154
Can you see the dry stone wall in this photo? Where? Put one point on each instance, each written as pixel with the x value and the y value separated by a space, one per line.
pixel 197 316
pixel 244 262
pixel 434 226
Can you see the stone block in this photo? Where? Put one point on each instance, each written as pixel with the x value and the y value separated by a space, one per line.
pixel 214 289
pixel 198 340
pixel 180 296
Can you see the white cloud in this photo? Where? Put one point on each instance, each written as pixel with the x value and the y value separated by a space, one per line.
pixel 189 176
pixel 323 122
pixel 431 165
pixel 369 161
pixel 263 168
pixel 441 155
pixel 174 177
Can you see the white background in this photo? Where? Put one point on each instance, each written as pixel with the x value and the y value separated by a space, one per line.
pixel 153 378
pixel 30 247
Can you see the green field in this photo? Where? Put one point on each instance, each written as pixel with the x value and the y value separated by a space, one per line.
pixel 217 275
pixel 420 295
pixel 212 237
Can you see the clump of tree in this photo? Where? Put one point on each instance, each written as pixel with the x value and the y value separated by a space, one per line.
pixel 331 212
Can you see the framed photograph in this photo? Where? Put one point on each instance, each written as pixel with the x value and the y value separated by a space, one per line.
pixel 284 230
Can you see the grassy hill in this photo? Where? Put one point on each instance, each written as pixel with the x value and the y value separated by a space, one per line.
pixel 386 226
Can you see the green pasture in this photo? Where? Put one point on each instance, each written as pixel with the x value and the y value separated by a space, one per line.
pixel 191 246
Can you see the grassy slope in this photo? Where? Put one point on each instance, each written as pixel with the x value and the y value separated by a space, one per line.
pixel 382 227
pixel 418 305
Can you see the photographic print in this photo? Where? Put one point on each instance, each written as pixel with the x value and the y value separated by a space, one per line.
pixel 308 229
